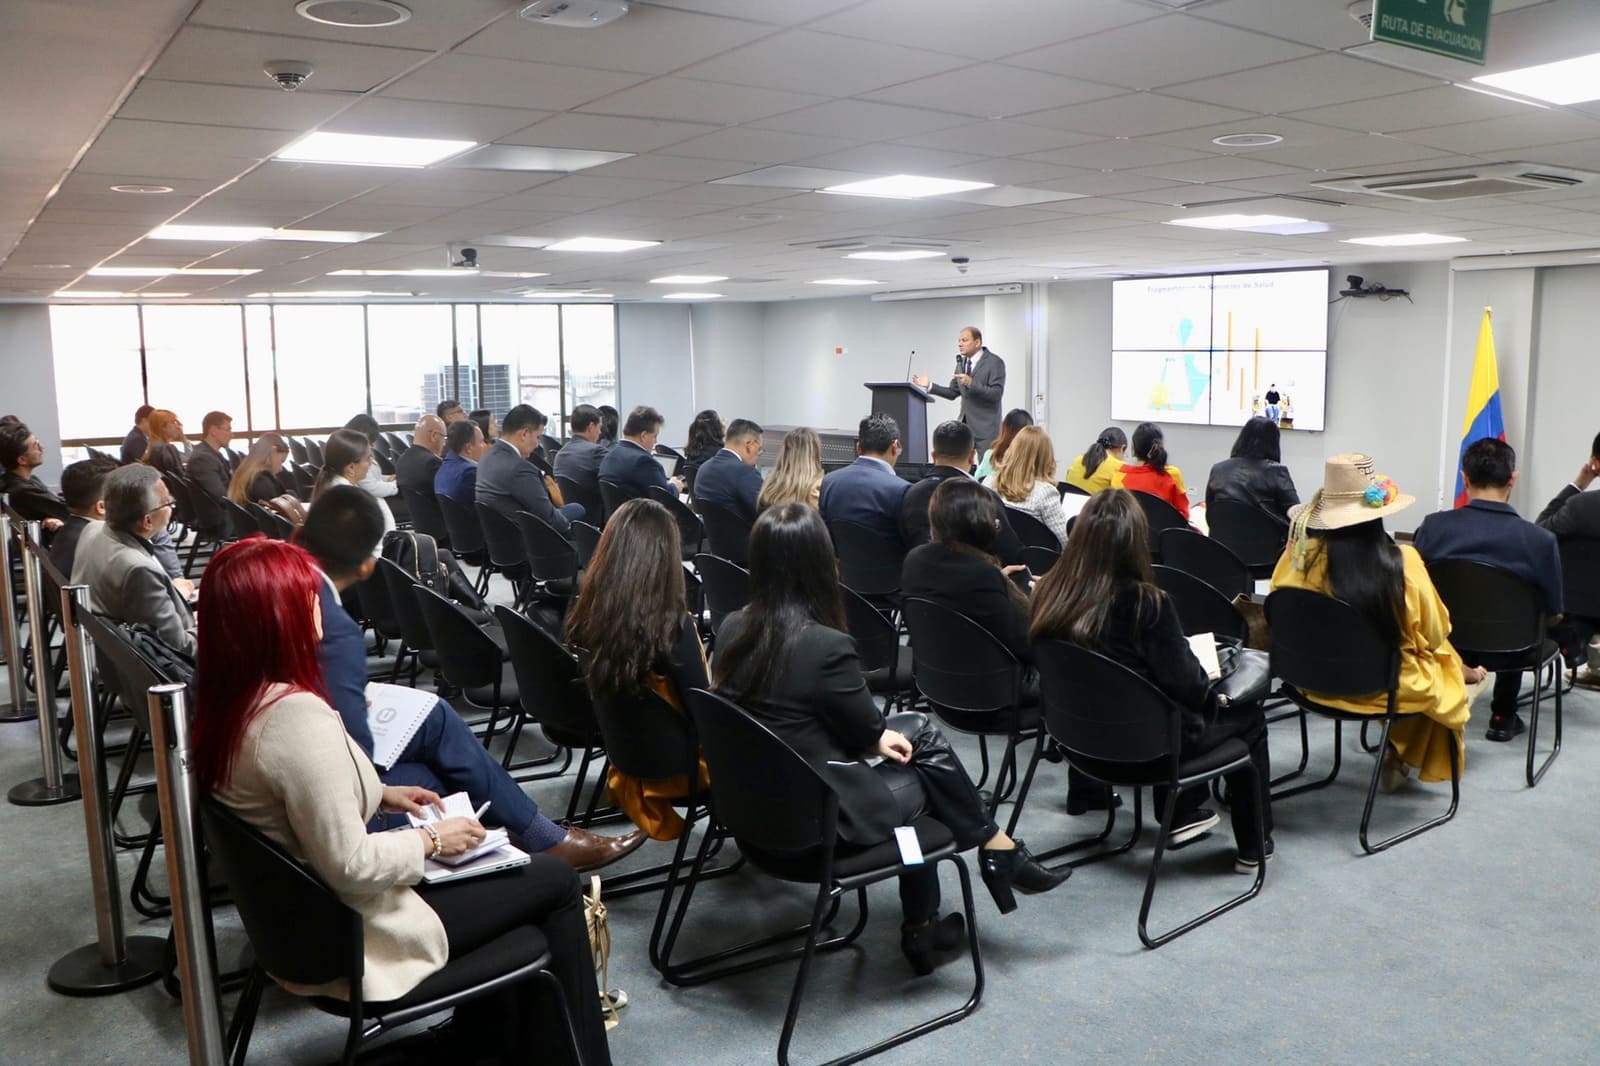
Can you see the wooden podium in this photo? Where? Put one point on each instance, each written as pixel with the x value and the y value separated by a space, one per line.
pixel 907 404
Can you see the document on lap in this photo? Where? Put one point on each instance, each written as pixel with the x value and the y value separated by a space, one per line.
pixel 394 714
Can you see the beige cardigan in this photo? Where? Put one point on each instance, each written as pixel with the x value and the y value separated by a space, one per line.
pixel 302 781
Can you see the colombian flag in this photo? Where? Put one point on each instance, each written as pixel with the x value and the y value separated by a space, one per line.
pixel 1484 418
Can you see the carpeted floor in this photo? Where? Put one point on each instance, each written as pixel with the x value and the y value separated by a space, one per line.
pixel 1476 942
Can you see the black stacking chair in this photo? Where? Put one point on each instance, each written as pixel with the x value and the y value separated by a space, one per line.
pixel 1159 515
pixel 199 512
pixel 586 538
pixel 726 586
pixel 553 696
pixel 314 452
pixel 1580 579
pixel 1209 560
pixel 471 660
pixel 613 495
pixel 974 685
pixel 1072 490
pixel 798 841
pixel 397 444
pixel 378 609
pixel 727 534
pixel 426 516
pixel 669 451
pixel 305 480
pixel 1250 533
pixel 594 508
pixel 297 450
pixel 869 562
pixel 261 518
pixel 1040 547
pixel 1120 729
pixel 416 642
pixel 300 931
pixel 691 530
pixel 1498 621
pixel 385 463
pixel 885 662
pixel 466 540
pixel 1323 645
pixel 552 561
pixel 1201 608
pixel 507 555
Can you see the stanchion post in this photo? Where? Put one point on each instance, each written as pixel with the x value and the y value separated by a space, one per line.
pixel 17 710
pixel 113 963
pixel 53 787
pixel 197 967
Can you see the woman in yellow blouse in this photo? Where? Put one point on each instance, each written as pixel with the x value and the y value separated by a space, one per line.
pixel 1337 546
pixel 1094 469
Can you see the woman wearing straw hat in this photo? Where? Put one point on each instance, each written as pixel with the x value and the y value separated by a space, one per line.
pixel 1337 546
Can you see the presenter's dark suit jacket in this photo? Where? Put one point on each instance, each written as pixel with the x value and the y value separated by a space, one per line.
pixel 821 708
pixel 1573 514
pixel 980 401
pixel 633 468
pixel 1492 533
pixel 209 469
pixel 508 483
pixel 415 469
pixel 579 460
pixel 868 493
pixel 458 479
pixel 1007 547
pixel 728 481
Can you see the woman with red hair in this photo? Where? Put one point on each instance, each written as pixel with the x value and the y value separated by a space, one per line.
pixel 268 745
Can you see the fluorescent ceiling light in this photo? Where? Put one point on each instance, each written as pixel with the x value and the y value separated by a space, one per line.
pixel 527 157
pixel 163 272
pixel 692 296
pixel 362 149
pixel 219 234
pixel 846 281
pixel 1404 240
pixel 689 279
pixel 599 244
pixel 318 294
pixel 1568 81
pixel 558 294
pixel 92 295
pixel 906 187
pixel 321 236
pixel 896 257
pixel 1236 221
pixel 1500 96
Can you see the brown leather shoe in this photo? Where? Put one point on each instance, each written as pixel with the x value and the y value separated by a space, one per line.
pixel 585 851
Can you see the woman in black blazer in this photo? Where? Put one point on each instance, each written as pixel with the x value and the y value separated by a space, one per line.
pixel 1254 474
pixel 787 659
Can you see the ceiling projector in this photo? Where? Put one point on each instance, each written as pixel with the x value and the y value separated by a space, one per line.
pixel 575 14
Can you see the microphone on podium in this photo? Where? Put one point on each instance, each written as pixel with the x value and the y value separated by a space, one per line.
pixel 909 359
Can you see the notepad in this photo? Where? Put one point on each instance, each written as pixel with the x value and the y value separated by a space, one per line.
pixel 1204 646
pixel 394 714
pixel 496 852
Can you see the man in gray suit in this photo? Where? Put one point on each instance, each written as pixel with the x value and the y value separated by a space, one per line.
pixel 979 383
pixel 579 458
pixel 508 483
pixel 115 558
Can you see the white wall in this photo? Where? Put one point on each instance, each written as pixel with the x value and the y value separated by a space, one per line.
pixel 27 366
pixel 1562 414
pixel 730 360
pixel 655 365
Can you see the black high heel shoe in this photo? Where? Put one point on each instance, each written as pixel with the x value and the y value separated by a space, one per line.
pixel 1016 868
pixel 923 944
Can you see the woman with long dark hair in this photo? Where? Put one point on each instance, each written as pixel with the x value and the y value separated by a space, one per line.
pixel 1254 474
pixel 268 745
pixel 705 440
pixel 257 480
pixel 609 420
pixel 1338 546
pixel 634 631
pixel 1015 421
pixel 1151 473
pixel 346 458
pixel 1097 468
pixel 1102 595
pixel 788 659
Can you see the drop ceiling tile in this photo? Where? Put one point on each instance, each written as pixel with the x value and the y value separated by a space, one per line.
pixel 877 159
pixel 165 167
pixel 1012 27
pixel 432 26
pixel 412 194
pixel 239 210
pixel 688 100
pixel 1161 52
pixel 862 120
pixel 1115 155
pixel 801 60
pixel 1352 153
pixel 609 190
pixel 997 138
pixel 1134 115
pixel 1217 168
pixel 275 180
pixel 1303 83
pixel 670 168
pixel 1500 135
pixel 1443 105
pixel 1318 25
pixel 777 12
pixel 993 91
pixel 366 217
pixel 122 135
pixel 228 105
pixel 1010 172
pixel 650 40
pixel 761 146
pixel 480 80
pixel 386 117
pixel 227 57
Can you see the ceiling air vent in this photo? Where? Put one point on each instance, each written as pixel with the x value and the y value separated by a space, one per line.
pixel 1501 179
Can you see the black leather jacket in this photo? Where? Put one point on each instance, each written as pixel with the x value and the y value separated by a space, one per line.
pixel 1257 482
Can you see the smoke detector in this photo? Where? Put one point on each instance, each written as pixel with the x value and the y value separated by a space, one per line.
pixel 1361 11
pixel 575 14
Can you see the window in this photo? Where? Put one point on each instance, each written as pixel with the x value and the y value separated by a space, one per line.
pixel 321 363
pixel 194 362
pixel 98 345
pixel 521 359
pixel 589 354
pixel 409 348
pixel 259 368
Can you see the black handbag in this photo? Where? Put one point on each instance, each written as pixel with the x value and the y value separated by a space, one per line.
pixel 1246 675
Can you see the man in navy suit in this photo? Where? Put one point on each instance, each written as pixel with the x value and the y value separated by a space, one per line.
pixel 457 476
pixel 729 478
pixel 868 492
pixel 1489 531
pixel 632 462
pixel 509 483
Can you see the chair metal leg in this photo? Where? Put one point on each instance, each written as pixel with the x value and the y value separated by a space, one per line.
pixel 1099 839
pixel 1027 783
pixel 1535 774
pixel 1305 745
pixel 1366 745
pixel 244 1016
pixel 1372 792
pixel 983 761
pixel 148 903
pixel 1338 761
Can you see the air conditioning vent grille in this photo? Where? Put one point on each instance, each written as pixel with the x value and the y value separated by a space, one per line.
pixel 1499 179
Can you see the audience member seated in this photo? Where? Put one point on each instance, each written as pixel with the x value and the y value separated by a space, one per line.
pixel 730 478
pixel 209 466
pixel 20 455
pixel 166 434
pixel 450 411
pixel 415 469
pixel 444 755
pixel 458 473
pixel 372 479
pixel 1574 514
pixel 485 419
pixel 346 457
pixel 705 440
pixel 1096 469
pixel 868 492
pixel 788 660
pixel 1254 473
pixel 137 442
pixel 797 475
pixel 952 458
pixel 1151 473
pixel 508 483
pixel 632 462
pixel 610 420
pixel 268 746
pixel 1027 479
pixel 1102 595
pixel 259 477
pixel 634 630
pixel 579 458
pixel 1015 421
pixel 1337 546
pixel 1488 530
pixel 83 487
pixel 116 560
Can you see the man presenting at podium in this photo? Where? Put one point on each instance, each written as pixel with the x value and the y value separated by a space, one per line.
pixel 979 382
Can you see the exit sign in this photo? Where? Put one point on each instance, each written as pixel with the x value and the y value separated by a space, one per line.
pixel 1455 28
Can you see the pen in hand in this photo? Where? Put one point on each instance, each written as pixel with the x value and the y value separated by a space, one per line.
pixel 478 815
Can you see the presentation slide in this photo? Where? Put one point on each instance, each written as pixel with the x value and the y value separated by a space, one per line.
pixel 1243 384
pixel 1161 387
pixel 1161 314
pixel 1282 312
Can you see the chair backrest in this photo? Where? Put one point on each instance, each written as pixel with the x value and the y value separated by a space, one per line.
pixel 958 664
pixel 1159 515
pixel 501 537
pixel 1068 489
pixel 123 671
pixel 1249 532
pixel 1324 645
pixel 669 451
pixel 1039 560
pixel 614 495
pixel 1580 577
pixel 1031 531
pixel 305 480
pixel 407 612
pixel 1491 610
pixel 549 680
pixel 585 538
pixel 573 492
pixel 1100 709
pixel 726 584
pixel 877 640
pixel 691 530
pixel 468 657
pixel 385 463
pixel 378 606
pixel 262 518
pixel 183 507
pixel 466 536
pixel 868 562
pixel 645 736
pixel 426 517
pixel 551 556
pixel 750 766
pixel 1209 560
pixel 1201 608
pixel 397 444
pixel 727 533
pixel 297 450
pixel 314 452
pixel 300 931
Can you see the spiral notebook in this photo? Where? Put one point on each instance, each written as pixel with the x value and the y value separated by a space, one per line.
pixel 495 853
pixel 394 714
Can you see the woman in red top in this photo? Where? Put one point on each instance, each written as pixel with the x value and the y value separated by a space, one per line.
pixel 1152 474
